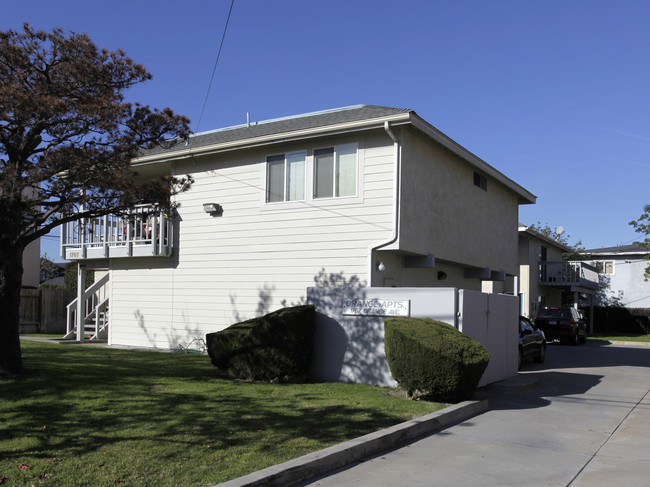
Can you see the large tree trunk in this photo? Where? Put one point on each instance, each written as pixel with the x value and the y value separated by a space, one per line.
pixel 11 276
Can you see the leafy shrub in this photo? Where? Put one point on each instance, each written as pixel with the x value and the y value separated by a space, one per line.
pixel 274 347
pixel 434 358
pixel 70 277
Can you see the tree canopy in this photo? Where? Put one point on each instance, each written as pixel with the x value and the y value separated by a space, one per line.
pixel 67 139
pixel 576 251
pixel 642 226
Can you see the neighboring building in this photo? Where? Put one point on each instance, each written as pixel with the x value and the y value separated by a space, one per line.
pixel 545 278
pixel 362 195
pixel 621 271
pixel 31 255
pixel 32 264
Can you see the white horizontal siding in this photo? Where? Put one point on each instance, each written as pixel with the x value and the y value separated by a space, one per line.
pixel 255 256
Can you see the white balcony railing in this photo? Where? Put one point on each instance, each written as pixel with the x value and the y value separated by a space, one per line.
pixel 145 232
pixel 571 274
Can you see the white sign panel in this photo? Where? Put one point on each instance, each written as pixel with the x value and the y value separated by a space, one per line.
pixel 376 307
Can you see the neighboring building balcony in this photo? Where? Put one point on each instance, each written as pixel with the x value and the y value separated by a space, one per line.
pixel 145 232
pixel 574 275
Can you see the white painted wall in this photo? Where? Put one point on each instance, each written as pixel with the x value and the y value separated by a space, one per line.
pixel 256 257
pixel 626 285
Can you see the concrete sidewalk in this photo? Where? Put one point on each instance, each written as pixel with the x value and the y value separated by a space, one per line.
pixel 580 419
pixel 583 419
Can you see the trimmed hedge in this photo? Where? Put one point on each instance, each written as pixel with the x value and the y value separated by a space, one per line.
pixel 434 358
pixel 276 347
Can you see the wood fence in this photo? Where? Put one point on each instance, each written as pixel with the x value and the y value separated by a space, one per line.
pixel 618 320
pixel 44 310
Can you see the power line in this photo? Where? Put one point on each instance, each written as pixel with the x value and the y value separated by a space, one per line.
pixel 223 37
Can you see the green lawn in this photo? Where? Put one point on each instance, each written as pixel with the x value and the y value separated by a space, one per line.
pixel 622 338
pixel 92 416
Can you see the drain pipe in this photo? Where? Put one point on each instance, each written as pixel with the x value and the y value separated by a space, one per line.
pixel 397 151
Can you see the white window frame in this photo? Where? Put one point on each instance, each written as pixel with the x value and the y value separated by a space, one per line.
pixel 337 149
pixel 285 182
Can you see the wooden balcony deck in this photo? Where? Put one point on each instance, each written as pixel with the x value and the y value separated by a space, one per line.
pixel 574 275
pixel 145 232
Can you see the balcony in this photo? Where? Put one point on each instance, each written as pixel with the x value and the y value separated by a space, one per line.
pixel 574 275
pixel 145 232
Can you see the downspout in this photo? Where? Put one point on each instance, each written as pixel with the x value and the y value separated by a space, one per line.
pixel 397 179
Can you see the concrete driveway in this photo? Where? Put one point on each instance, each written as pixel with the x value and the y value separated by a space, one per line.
pixel 580 419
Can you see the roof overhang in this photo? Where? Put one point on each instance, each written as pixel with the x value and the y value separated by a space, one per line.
pixel 600 254
pixel 335 129
pixel 407 117
pixel 525 196
pixel 535 234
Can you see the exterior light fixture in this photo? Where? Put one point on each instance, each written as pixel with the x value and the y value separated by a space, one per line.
pixel 381 267
pixel 212 208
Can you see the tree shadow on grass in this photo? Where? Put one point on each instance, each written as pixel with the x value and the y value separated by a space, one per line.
pixel 171 403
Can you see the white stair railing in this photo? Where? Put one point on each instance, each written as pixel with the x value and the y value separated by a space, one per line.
pixel 95 314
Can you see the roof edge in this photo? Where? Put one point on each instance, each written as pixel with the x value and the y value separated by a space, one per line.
pixel 273 138
pixel 279 119
pixel 526 197
pixel 541 236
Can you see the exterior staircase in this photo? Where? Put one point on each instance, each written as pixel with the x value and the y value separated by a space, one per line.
pixel 95 317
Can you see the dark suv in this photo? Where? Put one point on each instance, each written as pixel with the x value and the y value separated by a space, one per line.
pixel 562 323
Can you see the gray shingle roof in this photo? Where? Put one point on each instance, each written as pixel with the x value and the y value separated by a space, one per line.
pixel 621 249
pixel 286 124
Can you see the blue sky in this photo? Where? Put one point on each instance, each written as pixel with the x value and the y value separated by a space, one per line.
pixel 555 94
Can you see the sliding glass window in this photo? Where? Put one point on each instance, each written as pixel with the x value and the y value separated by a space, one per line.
pixel 335 171
pixel 285 177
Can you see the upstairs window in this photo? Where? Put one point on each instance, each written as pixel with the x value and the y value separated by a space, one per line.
pixel 285 177
pixel 335 171
pixel 606 267
pixel 480 181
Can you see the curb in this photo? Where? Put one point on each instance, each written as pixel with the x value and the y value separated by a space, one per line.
pixel 318 463
pixel 641 344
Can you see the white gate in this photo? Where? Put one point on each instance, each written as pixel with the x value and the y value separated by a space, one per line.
pixel 492 319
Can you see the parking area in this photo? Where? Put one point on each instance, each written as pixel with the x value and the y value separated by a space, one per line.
pixel 581 418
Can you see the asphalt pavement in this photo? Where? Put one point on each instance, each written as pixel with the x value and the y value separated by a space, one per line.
pixel 580 419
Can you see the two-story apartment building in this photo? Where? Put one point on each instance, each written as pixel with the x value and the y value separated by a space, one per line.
pixel 546 278
pixel 362 195
pixel 622 275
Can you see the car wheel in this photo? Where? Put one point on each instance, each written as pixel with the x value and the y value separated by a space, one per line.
pixel 521 359
pixel 575 340
pixel 583 337
pixel 541 356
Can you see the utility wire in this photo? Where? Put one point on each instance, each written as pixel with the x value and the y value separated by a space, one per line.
pixel 223 37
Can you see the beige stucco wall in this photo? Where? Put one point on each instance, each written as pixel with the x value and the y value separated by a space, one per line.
pixel 444 213
pixel 534 295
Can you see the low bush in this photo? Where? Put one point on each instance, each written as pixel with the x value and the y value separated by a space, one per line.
pixel 276 347
pixel 434 359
